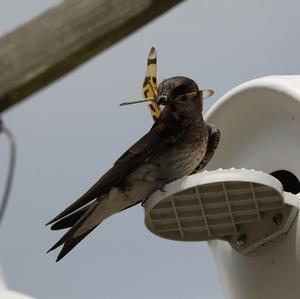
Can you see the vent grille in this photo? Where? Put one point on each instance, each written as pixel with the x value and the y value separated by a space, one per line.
pixel 211 211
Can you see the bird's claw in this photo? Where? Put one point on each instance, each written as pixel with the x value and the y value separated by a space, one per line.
pixel 162 189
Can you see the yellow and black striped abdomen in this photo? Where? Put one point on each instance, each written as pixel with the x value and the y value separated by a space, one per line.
pixel 150 87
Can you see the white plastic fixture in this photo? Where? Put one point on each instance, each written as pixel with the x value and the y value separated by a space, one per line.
pixel 252 224
pixel 260 123
pixel 221 204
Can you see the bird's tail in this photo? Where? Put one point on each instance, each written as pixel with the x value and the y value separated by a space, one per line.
pixel 81 223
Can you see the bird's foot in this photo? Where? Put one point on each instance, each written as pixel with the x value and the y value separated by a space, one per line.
pixel 163 184
pixel 162 189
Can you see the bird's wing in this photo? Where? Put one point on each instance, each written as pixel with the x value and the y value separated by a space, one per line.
pixel 212 144
pixel 161 136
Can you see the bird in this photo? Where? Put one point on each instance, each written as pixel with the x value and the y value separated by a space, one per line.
pixel 178 144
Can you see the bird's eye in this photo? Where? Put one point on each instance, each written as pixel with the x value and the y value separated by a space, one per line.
pixel 181 99
pixel 178 91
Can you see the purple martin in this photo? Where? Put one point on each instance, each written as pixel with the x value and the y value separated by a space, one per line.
pixel 178 144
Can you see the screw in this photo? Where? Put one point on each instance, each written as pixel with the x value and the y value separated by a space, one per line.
pixel 241 240
pixel 277 219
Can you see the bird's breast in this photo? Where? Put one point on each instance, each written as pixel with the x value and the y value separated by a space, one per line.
pixel 177 161
pixel 184 156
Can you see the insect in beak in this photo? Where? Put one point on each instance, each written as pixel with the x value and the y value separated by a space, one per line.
pixel 138 101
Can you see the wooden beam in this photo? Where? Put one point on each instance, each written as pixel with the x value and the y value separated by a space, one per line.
pixel 65 36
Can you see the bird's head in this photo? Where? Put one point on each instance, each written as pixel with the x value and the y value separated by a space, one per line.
pixel 182 95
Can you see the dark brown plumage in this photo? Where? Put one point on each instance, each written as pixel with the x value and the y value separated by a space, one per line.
pixel 178 143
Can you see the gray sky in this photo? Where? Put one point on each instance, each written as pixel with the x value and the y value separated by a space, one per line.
pixel 70 133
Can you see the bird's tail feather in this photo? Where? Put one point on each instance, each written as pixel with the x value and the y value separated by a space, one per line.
pixel 70 220
pixel 69 244
pixel 83 221
pixel 71 238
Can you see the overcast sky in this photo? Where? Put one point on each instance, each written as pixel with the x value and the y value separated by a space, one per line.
pixel 71 132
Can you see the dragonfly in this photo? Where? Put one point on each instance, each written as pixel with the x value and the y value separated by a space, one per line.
pixel 150 87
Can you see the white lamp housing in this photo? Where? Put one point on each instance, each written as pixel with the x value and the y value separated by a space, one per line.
pixel 260 124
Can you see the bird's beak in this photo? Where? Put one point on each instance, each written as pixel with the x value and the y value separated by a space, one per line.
pixel 206 93
pixel 162 99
